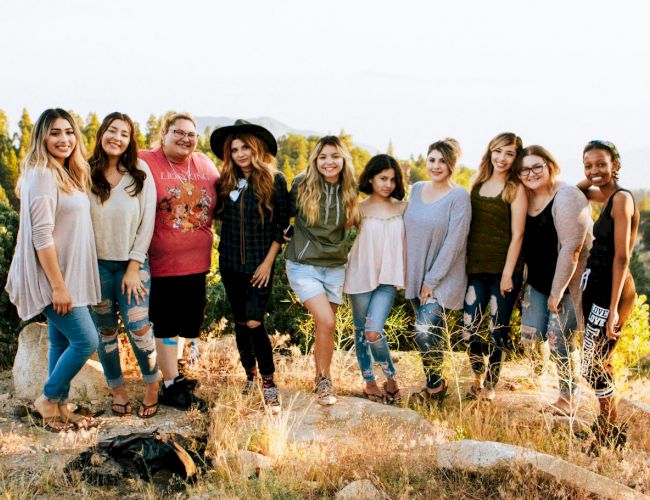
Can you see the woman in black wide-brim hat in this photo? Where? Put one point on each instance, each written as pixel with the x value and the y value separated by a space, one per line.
pixel 254 211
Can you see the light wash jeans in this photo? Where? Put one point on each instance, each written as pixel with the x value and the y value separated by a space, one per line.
pixel 430 321
pixel 73 338
pixel 370 311
pixel 540 326
pixel 134 317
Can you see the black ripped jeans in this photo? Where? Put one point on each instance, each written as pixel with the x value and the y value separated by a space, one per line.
pixel 248 303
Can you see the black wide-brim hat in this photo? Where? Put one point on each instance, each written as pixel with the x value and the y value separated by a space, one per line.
pixel 219 135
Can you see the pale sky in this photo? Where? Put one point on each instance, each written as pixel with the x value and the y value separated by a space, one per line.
pixel 558 73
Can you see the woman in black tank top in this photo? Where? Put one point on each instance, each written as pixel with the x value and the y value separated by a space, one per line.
pixel 608 286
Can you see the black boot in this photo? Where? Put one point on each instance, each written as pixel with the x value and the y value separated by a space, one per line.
pixel 180 395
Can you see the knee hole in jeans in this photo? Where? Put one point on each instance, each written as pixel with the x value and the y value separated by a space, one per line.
pixel 251 323
pixel 103 307
pixel 144 339
pixel 470 297
pixel 373 336
pixel 144 275
pixel 137 313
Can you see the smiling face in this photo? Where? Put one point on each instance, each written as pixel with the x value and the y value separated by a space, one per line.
pixel 503 157
pixel 116 138
pixel 436 167
pixel 61 141
pixel 179 141
pixel 599 167
pixel 330 163
pixel 241 154
pixel 383 184
pixel 534 173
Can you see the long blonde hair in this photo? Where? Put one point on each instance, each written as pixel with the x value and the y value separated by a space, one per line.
pixel 262 175
pixel 486 169
pixel 74 173
pixel 312 186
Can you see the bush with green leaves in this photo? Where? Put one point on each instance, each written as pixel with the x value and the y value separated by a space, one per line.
pixel 10 324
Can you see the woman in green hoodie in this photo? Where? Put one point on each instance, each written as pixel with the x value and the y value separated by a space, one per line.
pixel 324 203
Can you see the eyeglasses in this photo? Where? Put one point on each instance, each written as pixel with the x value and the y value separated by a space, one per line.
pixel 181 134
pixel 241 185
pixel 535 170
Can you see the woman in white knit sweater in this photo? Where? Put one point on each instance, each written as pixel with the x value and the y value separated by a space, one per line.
pixel 123 211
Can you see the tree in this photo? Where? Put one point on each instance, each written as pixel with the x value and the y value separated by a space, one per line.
pixel 89 132
pixel 153 130
pixel 25 127
pixel 390 151
pixel 9 166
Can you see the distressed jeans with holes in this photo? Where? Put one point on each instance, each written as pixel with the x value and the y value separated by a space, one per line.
pixel 429 336
pixel 540 326
pixel 370 311
pixel 134 316
pixel 488 339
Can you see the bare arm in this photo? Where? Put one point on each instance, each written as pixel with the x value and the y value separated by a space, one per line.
pixel 518 210
pixel 622 213
pixel 262 274
pixel 592 193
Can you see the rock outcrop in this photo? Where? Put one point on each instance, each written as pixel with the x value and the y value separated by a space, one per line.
pixel 30 368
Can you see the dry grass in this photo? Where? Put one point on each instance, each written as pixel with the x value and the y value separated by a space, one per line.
pixel 319 469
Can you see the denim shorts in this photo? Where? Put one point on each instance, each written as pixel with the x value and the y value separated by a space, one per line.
pixel 308 281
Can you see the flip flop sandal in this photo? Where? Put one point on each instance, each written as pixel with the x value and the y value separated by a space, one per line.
pixel 425 398
pixel 393 398
pixel 375 398
pixel 54 423
pixel 125 409
pixel 143 409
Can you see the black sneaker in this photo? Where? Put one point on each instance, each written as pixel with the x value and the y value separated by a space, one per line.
pixel 179 395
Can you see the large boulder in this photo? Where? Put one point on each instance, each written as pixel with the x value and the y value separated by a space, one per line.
pixel 360 490
pixel 476 455
pixel 30 368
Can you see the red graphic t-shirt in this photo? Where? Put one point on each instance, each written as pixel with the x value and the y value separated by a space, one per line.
pixel 185 201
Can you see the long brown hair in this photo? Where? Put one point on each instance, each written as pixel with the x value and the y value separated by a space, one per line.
pixel 74 173
pixel 312 185
pixel 128 160
pixel 262 176
pixel 486 169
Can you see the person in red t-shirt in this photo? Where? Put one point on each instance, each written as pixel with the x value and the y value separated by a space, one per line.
pixel 181 246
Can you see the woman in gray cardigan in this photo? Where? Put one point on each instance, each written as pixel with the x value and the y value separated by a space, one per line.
pixel 437 221
pixel 557 239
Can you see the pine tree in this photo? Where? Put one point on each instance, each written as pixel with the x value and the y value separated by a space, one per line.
pixel 390 151
pixel 140 139
pixel 25 127
pixel 9 167
pixel 89 132
pixel 153 130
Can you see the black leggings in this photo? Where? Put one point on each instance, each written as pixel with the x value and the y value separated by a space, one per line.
pixel 597 348
pixel 248 303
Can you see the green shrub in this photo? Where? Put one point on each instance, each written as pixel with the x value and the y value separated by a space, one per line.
pixel 10 324
pixel 634 344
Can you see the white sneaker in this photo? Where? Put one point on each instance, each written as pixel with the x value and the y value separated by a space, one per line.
pixel 325 391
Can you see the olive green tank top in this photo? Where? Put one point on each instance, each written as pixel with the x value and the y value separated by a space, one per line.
pixel 489 234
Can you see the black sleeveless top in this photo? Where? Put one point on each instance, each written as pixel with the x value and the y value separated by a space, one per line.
pixel 540 249
pixel 601 256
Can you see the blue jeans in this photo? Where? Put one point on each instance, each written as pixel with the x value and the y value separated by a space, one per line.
pixel 483 291
pixel 370 311
pixel 540 326
pixel 73 338
pixel 135 317
pixel 430 322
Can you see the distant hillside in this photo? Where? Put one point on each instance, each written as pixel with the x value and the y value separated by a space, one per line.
pixel 277 128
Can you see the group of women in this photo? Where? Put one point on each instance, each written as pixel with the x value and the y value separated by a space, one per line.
pixel 130 234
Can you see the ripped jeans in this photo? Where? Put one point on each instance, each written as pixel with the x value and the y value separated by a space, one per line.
pixel 370 311
pixel 430 323
pixel 134 316
pixel 540 327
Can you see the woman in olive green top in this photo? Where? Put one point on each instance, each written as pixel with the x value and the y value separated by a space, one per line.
pixel 324 202
pixel 494 266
